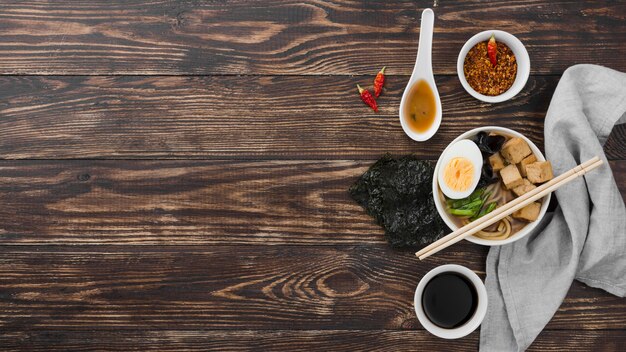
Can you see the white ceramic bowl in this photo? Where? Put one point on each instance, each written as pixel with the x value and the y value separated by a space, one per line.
pixel 470 325
pixel 521 55
pixel 448 219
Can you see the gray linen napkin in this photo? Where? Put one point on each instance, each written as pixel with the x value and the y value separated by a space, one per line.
pixel 585 238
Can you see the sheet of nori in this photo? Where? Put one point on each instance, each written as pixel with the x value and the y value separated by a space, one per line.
pixel 397 193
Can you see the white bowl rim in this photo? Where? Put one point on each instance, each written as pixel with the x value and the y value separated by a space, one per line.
pixel 518 49
pixel 446 218
pixel 471 324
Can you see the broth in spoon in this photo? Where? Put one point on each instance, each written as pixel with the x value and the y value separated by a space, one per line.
pixel 420 109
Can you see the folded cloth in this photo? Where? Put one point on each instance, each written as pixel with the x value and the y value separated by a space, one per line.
pixel 585 238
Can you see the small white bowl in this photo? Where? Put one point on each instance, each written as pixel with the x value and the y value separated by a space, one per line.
pixel 447 218
pixel 521 55
pixel 470 325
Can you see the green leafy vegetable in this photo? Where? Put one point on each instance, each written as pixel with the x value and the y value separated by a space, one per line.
pixel 463 212
pixel 486 210
pixel 458 203
pixel 471 206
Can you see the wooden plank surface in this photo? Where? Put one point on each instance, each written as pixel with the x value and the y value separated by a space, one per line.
pixel 242 117
pixel 188 202
pixel 288 341
pixel 240 287
pixel 247 239
pixel 293 37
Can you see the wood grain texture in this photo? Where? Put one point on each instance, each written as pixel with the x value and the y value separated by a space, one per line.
pixel 288 341
pixel 357 287
pixel 242 118
pixel 188 202
pixel 247 238
pixel 293 37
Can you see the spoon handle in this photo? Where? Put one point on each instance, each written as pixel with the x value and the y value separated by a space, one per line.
pixel 423 63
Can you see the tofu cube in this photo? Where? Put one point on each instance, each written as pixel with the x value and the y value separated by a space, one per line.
pixel 539 172
pixel 524 188
pixel 528 213
pixel 515 150
pixel 511 177
pixel 496 161
pixel 522 164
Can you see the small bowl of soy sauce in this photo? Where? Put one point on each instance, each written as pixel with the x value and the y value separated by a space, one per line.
pixel 450 301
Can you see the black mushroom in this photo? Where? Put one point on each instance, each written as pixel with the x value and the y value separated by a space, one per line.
pixel 487 176
pixel 489 144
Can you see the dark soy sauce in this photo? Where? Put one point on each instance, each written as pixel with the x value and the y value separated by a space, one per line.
pixel 449 300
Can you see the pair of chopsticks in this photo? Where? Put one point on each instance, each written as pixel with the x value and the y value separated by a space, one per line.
pixel 508 208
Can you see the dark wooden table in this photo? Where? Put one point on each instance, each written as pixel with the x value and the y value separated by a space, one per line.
pixel 174 173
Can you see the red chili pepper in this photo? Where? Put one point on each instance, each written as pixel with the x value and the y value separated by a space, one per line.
pixel 367 98
pixel 491 49
pixel 379 82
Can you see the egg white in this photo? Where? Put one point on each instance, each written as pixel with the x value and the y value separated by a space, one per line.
pixel 462 149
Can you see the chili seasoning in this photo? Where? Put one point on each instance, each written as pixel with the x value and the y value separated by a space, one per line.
pixel 483 76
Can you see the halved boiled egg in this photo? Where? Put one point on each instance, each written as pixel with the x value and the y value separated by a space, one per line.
pixel 460 169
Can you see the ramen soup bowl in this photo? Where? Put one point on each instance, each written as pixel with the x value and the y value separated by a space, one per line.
pixel 453 221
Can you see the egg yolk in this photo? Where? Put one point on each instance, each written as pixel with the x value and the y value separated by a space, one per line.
pixel 458 174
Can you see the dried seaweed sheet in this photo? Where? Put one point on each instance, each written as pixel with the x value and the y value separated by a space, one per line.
pixel 397 193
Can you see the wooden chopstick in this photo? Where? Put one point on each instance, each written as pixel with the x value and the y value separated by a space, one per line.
pixel 508 208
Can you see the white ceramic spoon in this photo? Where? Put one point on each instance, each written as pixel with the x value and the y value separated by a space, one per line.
pixel 423 70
